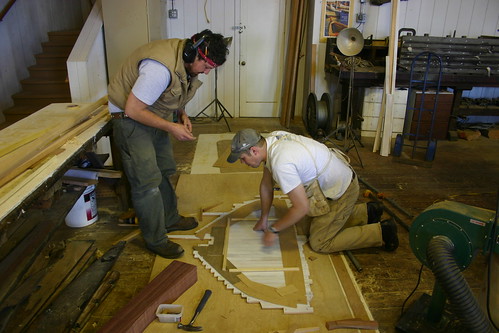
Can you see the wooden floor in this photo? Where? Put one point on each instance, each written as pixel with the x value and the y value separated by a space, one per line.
pixel 463 171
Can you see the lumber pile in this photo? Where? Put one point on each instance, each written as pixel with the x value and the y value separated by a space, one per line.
pixel 56 291
pixel 33 152
pixel 460 56
pixel 34 148
pixel 26 143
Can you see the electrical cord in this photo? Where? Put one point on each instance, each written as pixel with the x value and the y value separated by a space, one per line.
pixel 356 62
pixel 413 291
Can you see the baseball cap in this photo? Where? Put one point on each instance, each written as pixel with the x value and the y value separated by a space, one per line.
pixel 242 141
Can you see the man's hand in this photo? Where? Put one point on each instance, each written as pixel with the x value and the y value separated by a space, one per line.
pixel 183 119
pixel 261 225
pixel 269 238
pixel 137 110
pixel 181 133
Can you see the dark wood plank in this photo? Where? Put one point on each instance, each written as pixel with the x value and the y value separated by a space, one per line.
pixel 53 278
pixel 20 258
pixel 165 288
pixel 62 313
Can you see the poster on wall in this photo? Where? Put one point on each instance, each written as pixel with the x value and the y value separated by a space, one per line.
pixel 335 17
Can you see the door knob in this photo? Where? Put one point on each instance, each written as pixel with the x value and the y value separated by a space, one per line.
pixel 243 63
pixel 240 28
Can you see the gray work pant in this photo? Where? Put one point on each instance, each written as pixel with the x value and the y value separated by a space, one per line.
pixel 345 226
pixel 147 156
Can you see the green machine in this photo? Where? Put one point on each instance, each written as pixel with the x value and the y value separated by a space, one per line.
pixel 446 237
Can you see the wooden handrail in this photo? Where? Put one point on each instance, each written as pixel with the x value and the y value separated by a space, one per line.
pixel 6 9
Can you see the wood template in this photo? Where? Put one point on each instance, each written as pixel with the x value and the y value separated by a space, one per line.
pixel 275 277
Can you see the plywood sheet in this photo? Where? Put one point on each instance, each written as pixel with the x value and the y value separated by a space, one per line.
pixel 198 191
pixel 223 148
pixel 211 156
pixel 333 299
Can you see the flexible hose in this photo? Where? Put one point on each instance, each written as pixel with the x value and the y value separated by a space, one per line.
pixel 452 281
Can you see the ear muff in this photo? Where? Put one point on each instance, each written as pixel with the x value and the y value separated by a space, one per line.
pixel 191 49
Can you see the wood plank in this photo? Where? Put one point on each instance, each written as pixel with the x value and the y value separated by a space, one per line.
pixel 226 244
pixel 165 288
pixel 97 298
pixel 352 323
pixel 17 262
pixel 53 278
pixel 62 313
pixel 28 155
pixel 264 269
pixel 392 72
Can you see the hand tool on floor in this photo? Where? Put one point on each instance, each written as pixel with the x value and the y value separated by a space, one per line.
pixel 352 323
pixel 354 260
pixel 190 327
pixel 371 195
pixel 375 193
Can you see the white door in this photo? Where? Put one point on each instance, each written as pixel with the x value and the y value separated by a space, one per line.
pixel 261 57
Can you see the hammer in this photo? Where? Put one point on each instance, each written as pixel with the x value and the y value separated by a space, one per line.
pixel 190 327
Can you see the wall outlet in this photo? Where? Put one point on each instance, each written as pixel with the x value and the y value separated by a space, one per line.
pixel 172 13
pixel 361 18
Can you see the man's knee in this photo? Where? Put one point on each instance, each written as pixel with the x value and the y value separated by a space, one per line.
pixel 145 193
pixel 317 245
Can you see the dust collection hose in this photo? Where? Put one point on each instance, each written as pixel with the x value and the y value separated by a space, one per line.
pixel 452 281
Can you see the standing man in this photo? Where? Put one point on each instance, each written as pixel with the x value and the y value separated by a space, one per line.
pixel 151 90
pixel 320 183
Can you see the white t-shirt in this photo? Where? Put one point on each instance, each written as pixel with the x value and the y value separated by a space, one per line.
pixel 290 159
pixel 154 78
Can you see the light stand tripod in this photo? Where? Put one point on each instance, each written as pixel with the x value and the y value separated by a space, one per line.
pixel 350 42
pixel 218 104
pixel 349 136
pixel 349 133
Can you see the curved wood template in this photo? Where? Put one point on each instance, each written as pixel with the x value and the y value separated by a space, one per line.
pixel 284 283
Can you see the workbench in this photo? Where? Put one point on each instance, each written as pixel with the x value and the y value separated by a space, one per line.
pixel 467 63
pixel 25 188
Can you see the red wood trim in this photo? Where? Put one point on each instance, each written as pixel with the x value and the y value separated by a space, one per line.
pixel 6 9
pixel 166 287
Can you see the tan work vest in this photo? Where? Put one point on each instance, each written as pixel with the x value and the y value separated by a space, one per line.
pixel 169 53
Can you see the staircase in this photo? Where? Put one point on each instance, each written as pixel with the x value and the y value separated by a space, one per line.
pixel 48 81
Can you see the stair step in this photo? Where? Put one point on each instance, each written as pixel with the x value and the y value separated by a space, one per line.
pixel 62 49
pixel 51 59
pixel 47 83
pixel 64 35
pixel 45 86
pixel 17 113
pixel 55 72
pixel 39 99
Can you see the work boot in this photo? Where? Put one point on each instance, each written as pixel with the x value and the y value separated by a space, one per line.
pixel 389 234
pixel 185 223
pixel 168 250
pixel 374 212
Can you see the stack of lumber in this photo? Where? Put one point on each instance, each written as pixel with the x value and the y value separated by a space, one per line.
pixel 460 56
pixel 60 289
pixel 33 152
pixel 30 145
